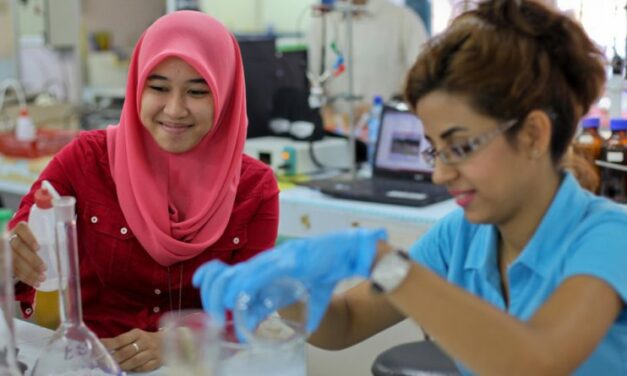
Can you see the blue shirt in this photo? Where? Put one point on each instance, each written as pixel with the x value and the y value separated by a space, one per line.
pixel 580 234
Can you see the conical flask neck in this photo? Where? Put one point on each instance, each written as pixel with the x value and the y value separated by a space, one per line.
pixel 69 276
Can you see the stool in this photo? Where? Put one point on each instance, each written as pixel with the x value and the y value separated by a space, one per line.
pixel 413 359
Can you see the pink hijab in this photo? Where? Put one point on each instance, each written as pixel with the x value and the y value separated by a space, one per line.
pixel 178 205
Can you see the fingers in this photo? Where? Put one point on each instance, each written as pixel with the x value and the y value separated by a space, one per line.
pixel 27 265
pixel 141 359
pixel 123 340
pixel 136 350
pixel 207 271
pixel 318 304
pixel 26 235
pixel 150 365
pixel 204 279
pixel 215 303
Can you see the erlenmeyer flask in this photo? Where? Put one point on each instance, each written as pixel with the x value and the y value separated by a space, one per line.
pixel 8 363
pixel 73 349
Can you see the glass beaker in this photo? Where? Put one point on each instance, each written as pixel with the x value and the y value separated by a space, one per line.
pixel 73 349
pixel 267 334
pixel 186 343
pixel 8 361
pixel 277 350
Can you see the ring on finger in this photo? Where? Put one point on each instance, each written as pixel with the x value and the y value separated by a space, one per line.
pixel 13 237
pixel 136 347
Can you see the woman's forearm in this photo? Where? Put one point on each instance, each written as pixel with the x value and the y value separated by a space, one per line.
pixel 490 341
pixel 353 317
pixel 332 332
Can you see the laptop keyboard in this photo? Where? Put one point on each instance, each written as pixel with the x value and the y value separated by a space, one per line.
pixel 380 186
pixel 382 190
pixel 398 192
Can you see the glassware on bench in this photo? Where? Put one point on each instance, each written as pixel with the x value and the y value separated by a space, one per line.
pixel 73 349
pixel 8 361
pixel 276 344
pixel 195 345
pixel 187 343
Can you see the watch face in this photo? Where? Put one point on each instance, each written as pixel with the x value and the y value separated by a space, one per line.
pixel 390 271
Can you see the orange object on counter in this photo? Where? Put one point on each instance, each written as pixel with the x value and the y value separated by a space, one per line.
pixel 589 142
pixel 47 142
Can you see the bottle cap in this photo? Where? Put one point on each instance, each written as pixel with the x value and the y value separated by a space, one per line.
pixel 378 99
pixel 618 124
pixel 23 111
pixel 591 122
pixel 43 198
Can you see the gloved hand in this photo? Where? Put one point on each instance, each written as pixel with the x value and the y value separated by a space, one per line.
pixel 319 262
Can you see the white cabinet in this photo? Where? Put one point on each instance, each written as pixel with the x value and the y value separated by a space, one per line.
pixel 305 212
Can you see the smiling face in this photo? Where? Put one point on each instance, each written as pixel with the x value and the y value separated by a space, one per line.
pixel 492 184
pixel 176 106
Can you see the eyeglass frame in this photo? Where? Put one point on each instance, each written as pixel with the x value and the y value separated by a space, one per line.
pixel 464 150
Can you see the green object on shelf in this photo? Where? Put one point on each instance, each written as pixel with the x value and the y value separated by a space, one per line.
pixel 5 217
pixel 292 47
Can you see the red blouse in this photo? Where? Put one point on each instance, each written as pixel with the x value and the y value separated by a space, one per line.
pixel 122 286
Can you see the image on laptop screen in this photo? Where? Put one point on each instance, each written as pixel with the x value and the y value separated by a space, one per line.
pixel 401 142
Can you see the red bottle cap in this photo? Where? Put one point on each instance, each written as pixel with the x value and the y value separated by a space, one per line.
pixel 23 111
pixel 43 199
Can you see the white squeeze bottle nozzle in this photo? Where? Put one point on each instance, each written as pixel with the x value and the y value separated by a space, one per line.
pixel 41 221
pixel 53 192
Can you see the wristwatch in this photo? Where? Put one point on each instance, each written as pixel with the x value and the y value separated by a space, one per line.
pixel 390 271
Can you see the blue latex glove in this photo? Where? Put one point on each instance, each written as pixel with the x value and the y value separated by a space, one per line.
pixel 318 262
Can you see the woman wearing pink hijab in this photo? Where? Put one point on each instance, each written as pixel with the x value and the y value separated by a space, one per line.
pixel 161 193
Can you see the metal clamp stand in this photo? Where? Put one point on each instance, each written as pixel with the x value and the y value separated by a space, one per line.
pixel 611 166
pixel 347 9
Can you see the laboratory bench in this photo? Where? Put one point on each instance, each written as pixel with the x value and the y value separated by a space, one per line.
pixel 31 340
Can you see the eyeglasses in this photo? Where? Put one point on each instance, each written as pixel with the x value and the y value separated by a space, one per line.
pixel 457 153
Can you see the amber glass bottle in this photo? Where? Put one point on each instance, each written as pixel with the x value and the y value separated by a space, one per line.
pixel 589 143
pixel 614 181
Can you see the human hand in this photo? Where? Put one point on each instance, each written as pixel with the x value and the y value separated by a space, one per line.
pixel 28 267
pixel 136 350
pixel 319 262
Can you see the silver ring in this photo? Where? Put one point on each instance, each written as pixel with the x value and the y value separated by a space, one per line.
pixel 12 237
pixel 136 347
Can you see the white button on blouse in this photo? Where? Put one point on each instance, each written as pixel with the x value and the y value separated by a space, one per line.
pixel 236 240
pixel 123 230
pixel 156 310
pixel 157 292
pixel 94 219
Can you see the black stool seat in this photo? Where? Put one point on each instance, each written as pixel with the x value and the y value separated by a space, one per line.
pixel 414 359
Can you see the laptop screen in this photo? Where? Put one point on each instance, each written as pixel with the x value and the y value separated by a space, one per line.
pixel 400 143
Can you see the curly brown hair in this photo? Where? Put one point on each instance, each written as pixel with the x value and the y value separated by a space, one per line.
pixel 509 57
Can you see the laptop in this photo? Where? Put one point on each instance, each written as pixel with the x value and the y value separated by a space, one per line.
pixel 400 174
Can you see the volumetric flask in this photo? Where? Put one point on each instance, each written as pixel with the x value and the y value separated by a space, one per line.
pixel 73 349
pixel 188 343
